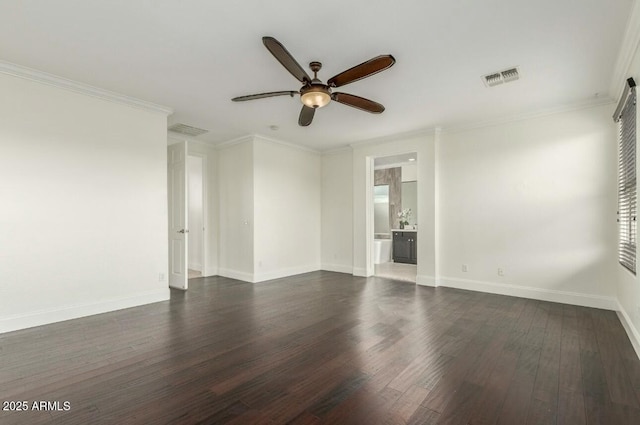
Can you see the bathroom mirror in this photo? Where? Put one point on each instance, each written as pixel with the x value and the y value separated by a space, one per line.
pixel 410 200
pixel 381 210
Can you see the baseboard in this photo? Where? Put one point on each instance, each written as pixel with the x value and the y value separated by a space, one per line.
pixel 632 332
pixel 235 274
pixel 210 271
pixel 358 271
pixel 574 298
pixel 45 317
pixel 425 280
pixel 195 266
pixel 339 268
pixel 291 271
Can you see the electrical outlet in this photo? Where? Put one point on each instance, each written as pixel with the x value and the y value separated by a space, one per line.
pixel 465 268
pixel 162 277
pixel 500 271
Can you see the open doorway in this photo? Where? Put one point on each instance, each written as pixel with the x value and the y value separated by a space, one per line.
pixel 195 196
pixel 395 210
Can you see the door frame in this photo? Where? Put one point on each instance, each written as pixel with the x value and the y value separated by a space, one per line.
pixel 369 215
pixel 369 209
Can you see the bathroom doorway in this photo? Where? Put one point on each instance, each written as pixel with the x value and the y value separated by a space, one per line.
pixel 395 210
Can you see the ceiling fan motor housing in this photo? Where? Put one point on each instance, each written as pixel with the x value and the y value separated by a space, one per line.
pixel 315 95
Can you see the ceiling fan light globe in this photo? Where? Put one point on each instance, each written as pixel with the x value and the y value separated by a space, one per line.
pixel 316 96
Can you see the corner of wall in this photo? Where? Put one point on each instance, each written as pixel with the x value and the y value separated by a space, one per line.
pixel 627 51
pixel 627 323
pixel 338 268
pixel 237 275
pixel 210 271
pixel 424 280
pixel 291 271
pixel 359 271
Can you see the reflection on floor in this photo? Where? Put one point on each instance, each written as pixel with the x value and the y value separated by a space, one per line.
pixel 398 271
pixel 194 274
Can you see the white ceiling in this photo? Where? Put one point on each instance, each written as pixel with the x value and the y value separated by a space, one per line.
pixel 195 55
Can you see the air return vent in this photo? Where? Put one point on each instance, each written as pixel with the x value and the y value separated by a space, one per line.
pixel 187 129
pixel 501 77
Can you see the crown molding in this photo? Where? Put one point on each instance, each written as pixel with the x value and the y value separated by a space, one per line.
pixel 287 144
pixel 337 151
pixel 233 142
pixel 591 103
pixel 251 137
pixel 629 46
pixel 74 86
pixel 437 131
pixel 393 137
pixel 179 137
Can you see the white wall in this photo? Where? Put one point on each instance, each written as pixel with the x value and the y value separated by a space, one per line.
pixel 84 205
pixel 236 220
pixel 628 285
pixel 286 210
pixel 535 198
pixel 269 209
pixel 195 211
pixel 410 172
pixel 209 157
pixel 424 145
pixel 337 211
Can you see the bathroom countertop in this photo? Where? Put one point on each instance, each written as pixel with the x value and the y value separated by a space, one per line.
pixel 404 230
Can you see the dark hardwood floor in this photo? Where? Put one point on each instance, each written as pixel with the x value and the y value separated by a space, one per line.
pixel 327 348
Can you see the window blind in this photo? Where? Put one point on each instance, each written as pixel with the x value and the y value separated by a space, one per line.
pixel 627 205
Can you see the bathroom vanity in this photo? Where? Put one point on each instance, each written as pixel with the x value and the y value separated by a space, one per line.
pixel 405 246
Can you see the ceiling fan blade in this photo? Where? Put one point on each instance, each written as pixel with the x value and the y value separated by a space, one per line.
pixel 358 102
pixel 306 115
pixel 285 58
pixel 263 95
pixel 365 69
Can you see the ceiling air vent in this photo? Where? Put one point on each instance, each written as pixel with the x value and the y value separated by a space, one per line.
pixel 187 129
pixel 500 77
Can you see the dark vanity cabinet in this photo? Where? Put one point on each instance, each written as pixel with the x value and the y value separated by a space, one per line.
pixel 405 247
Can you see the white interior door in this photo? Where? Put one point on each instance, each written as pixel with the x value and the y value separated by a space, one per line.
pixel 178 217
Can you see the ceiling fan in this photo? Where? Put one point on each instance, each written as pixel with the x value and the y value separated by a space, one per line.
pixel 314 93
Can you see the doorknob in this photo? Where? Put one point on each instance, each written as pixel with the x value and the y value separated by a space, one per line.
pixel 183 231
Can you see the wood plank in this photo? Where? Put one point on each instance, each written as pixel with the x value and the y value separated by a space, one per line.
pixel 542 412
pixel 571 408
pixel 515 409
pixel 488 360
pixel 570 378
pixel 328 348
pixel 460 409
pixel 424 416
pixel 445 390
pixel 493 395
pixel 409 402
